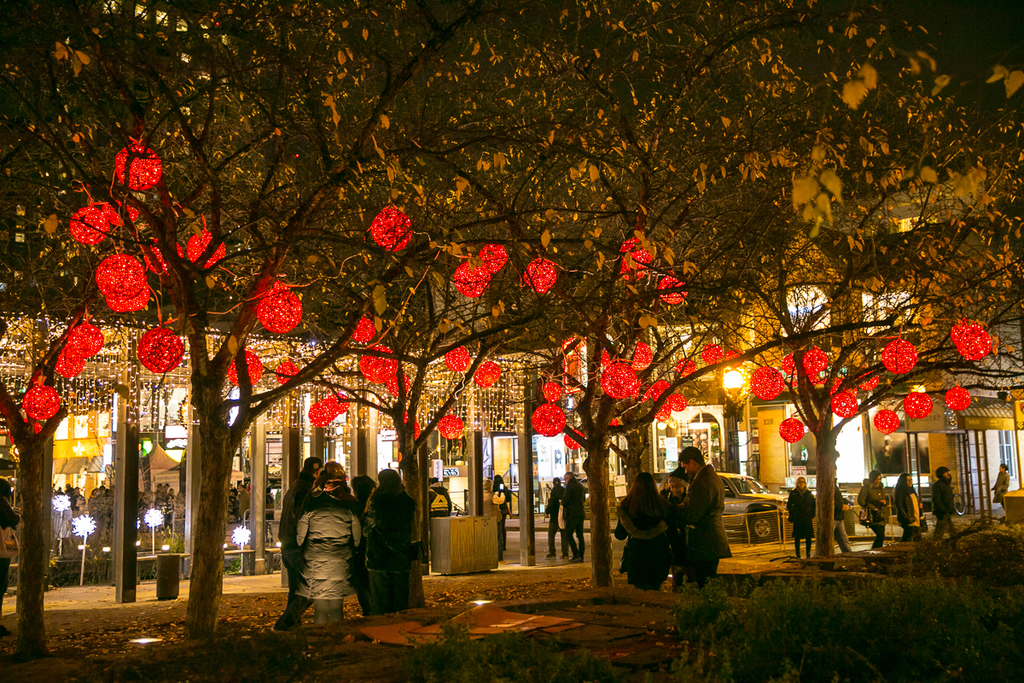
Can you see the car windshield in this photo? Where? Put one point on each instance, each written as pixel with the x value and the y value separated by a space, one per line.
pixel 748 485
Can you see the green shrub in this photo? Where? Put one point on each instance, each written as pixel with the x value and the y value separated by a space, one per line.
pixel 992 555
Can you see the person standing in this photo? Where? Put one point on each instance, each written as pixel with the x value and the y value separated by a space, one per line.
pixel 674 493
pixel 243 502
pixel 644 525
pixel 1002 485
pixel 553 506
pixel 291 552
pixel 440 501
pixel 801 508
pixel 706 542
pixel 908 509
pixel 501 497
pixel 573 515
pixel 839 508
pixel 328 532
pixel 9 518
pixel 875 501
pixel 389 520
pixel 362 486
pixel 942 501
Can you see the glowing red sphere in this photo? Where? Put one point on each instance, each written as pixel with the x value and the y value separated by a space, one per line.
pixel 971 339
pixel 91 224
pixel 487 374
pixel 958 398
pixel 655 391
pixel 120 276
pixel 41 402
pixel 391 384
pixel 450 427
pixel 197 244
pixel 391 229
pixel 471 282
pixel 144 167
pixel 676 296
pixel 788 365
pixel 685 367
pixel 326 410
pixel 378 369
pixel 540 275
pixel 69 364
pixel 634 257
pixel 815 361
pixel 766 383
pixel 252 363
pixel 552 391
pixel 899 357
pixel 280 310
pixel 642 357
pixel 711 354
pixel 365 331
pixel 886 421
pixel 160 350
pixel 86 340
pixel 570 443
pixel 917 405
pixel 844 404
pixel 458 359
pixel 619 380
pixel 135 303
pixel 791 430
pixel 548 419
pixel 285 371
pixel 869 384
pixel 157 265
pixel 494 257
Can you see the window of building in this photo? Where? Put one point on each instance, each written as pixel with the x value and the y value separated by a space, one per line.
pixel 1007 452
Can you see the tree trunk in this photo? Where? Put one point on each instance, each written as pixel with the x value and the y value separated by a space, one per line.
pixel 600 526
pixel 638 445
pixel 413 486
pixel 207 575
pixel 32 560
pixel 826 475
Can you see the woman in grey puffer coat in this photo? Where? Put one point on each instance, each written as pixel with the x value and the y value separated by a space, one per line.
pixel 328 533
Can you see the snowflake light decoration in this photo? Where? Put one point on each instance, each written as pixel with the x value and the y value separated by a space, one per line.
pixel 61 502
pixel 83 525
pixel 241 536
pixel 153 518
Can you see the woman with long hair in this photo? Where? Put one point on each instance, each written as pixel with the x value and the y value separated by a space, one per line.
pixel 644 521
pixel 388 521
pixel 501 497
pixel 908 508
pixel 875 501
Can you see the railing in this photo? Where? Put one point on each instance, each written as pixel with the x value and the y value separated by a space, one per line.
pixel 773 527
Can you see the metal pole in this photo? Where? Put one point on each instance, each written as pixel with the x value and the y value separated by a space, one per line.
pixel 126 487
pixel 527 537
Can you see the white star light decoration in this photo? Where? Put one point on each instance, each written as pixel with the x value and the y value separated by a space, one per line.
pixel 154 518
pixel 61 503
pixel 83 526
pixel 241 536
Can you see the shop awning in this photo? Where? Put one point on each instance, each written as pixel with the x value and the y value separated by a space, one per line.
pixel 78 448
pixel 986 413
pixel 75 465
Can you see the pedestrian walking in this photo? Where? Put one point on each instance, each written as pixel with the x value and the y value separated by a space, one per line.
pixel 551 510
pixel 328 532
pixel 908 508
pixel 501 497
pixel 291 551
pixel 389 550
pixel 875 502
pixel 839 508
pixel 801 508
pixel 701 511
pixel 644 519
pixel 1002 484
pixel 9 519
pixel 942 501
pixel 674 492
pixel 440 502
pixel 573 515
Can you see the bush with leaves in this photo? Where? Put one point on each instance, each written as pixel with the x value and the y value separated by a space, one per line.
pixel 991 555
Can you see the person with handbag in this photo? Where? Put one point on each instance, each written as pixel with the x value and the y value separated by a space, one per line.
pixel 644 522
pixel 875 503
pixel 389 549
pixel 9 519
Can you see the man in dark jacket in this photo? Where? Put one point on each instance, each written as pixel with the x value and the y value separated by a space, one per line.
pixel 573 515
pixel 701 511
pixel 440 501
pixel 291 553
pixel 554 505
pixel 942 501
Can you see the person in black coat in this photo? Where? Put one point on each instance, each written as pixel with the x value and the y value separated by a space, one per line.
pixel 873 499
pixel 388 527
pixel 801 509
pixel 674 496
pixel 573 515
pixel 644 519
pixel 701 511
pixel 291 553
pixel 942 501
pixel 553 506
pixel 908 509
pixel 439 501
pixel 9 518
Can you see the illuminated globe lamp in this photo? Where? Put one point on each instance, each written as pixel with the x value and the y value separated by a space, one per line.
pixel 197 244
pixel 767 383
pixel 619 380
pixel 144 167
pixel 160 350
pixel 471 282
pixel 815 362
pixel 365 331
pixel 540 275
pixel 886 421
pixel 494 257
pixel 69 364
pixel 280 310
pixel 686 367
pixel 86 340
pixel 675 403
pixel 120 276
pixel 570 443
pixel 552 391
pixel 391 229
pixel 285 371
pixel 642 357
pixel 958 398
pixel 844 404
pixel 655 391
pixel 711 354
pixel 899 357
pixel 41 402
pixel 458 359
pixel 868 384
pixel 487 374
pixel 971 339
pixel 917 405
pixel 91 224
pixel 791 430
pixel 673 297
pixel 548 419
pixel 450 427
pixel 252 363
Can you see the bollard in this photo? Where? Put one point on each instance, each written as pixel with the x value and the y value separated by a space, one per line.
pixel 168 576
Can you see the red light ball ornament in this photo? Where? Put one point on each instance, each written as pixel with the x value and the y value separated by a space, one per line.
pixel 869 384
pixel 285 371
pixel 570 443
pixel 41 402
pixel 788 365
pixel 494 257
pixel 676 403
pixel 450 427
pixel 471 282
pixel 791 430
pixel 655 391
pixel 815 362
pixel 458 360
pixel 392 384
pixel 157 265
pixel 548 419
pixel 675 297
pixel 899 357
pixel 144 167
pixel 917 405
pixel 552 391
pixel 280 310
pixel 377 369
pixel 136 303
pixel 254 365
pixel 971 339
pixel 958 398
pixel 91 224
pixel 635 257
pixel 540 275
pixel 120 276
pixel 69 364
pixel 711 354
pixel 886 421
pixel 685 367
pixel 487 374
pixel 86 340
pixel 326 410
pixel 844 404
pixel 767 383
pixel 365 331
pixel 619 380
pixel 391 229
pixel 160 350
pixel 642 357
pixel 197 244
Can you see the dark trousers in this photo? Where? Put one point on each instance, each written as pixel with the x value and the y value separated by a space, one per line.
pixel 575 529
pixel 291 558
pixel 501 536
pixel 807 542
pixel 879 530
pixel 704 570
pixel 910 533
pixel 389 591
pixel 552 530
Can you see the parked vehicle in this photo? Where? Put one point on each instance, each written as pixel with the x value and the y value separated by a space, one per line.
pixel 752 512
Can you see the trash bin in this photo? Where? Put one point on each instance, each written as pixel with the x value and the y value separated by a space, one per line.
pixel 168 576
